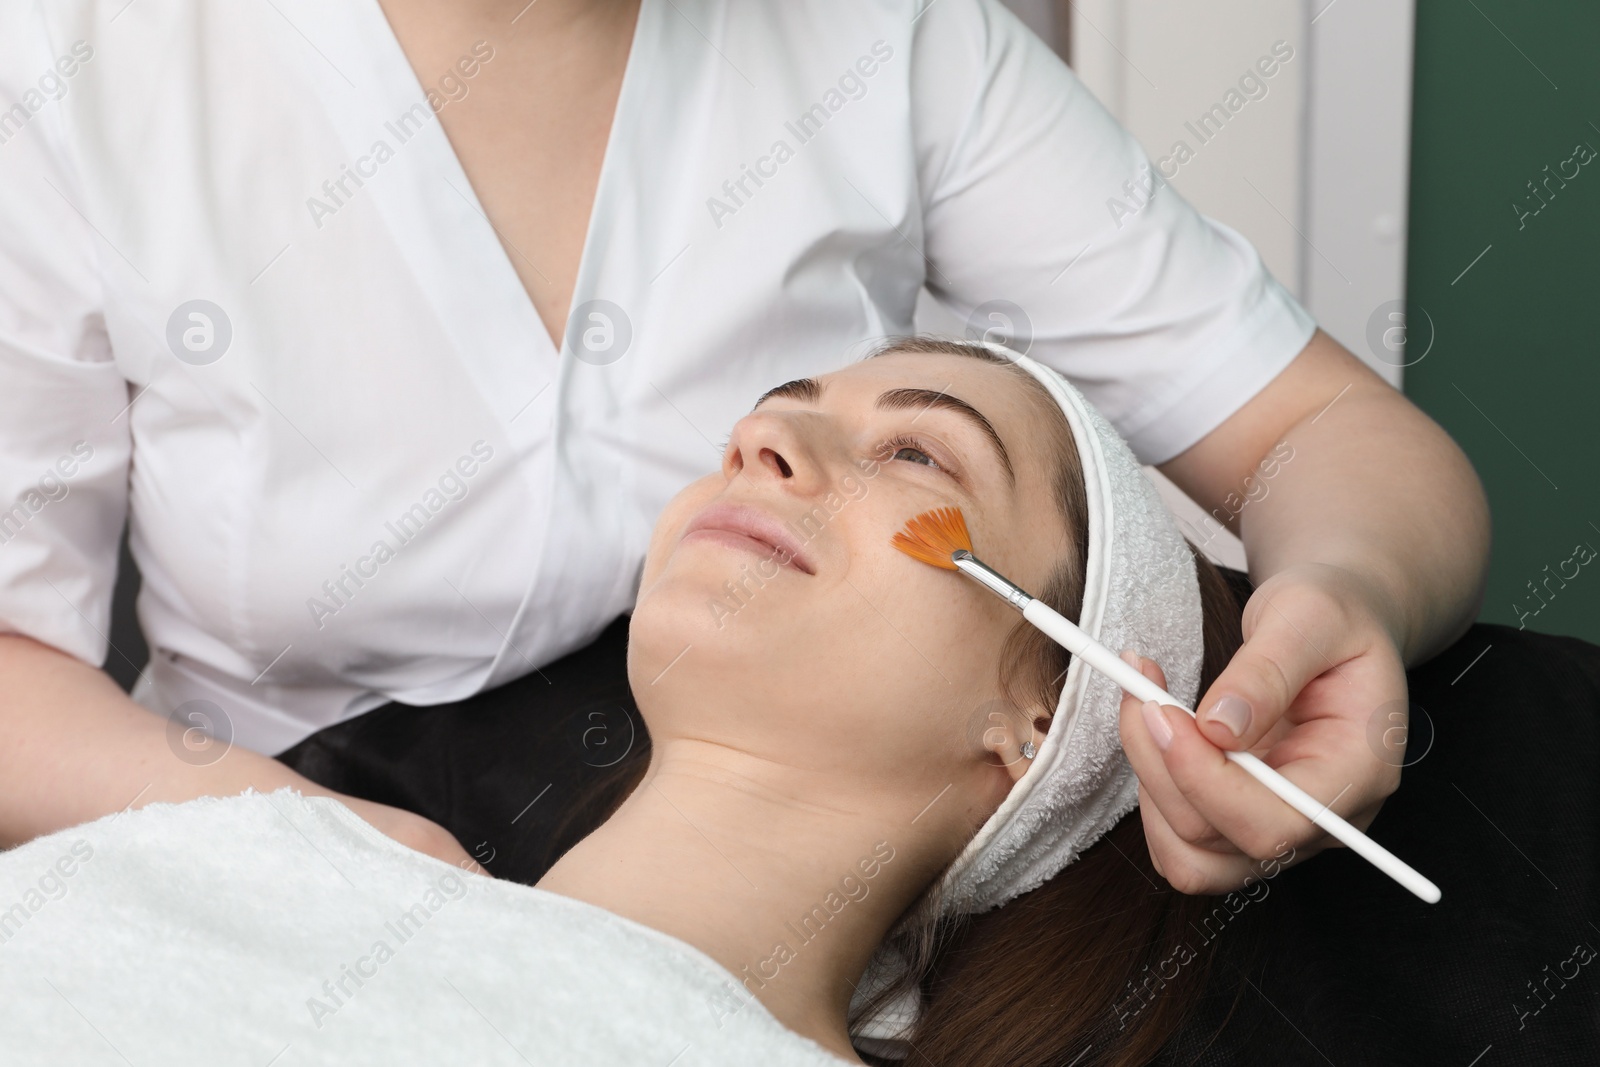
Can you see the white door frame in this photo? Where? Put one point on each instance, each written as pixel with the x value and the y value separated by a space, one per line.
pixel 1352 154
pixel 1340 177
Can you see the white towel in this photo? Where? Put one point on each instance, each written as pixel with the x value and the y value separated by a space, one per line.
pixel 276 929
pixel 1141 592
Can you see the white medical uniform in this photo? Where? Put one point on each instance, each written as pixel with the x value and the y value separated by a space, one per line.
pixel 358 470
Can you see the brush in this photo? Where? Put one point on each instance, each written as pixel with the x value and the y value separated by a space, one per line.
pixel 940 539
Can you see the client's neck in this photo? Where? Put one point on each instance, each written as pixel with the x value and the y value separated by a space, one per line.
pixel 788 878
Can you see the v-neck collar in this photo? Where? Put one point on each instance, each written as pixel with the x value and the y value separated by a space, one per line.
pixel 432 211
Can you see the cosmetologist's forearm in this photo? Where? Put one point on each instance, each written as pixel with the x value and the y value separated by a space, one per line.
pixel 1360 479
pixel 74 747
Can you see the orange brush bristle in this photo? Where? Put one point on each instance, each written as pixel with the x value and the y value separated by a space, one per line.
pixel 934 536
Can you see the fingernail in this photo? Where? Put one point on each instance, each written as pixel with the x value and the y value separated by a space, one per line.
pixel 1232 712
pixel 1131 658
pixel 1160 729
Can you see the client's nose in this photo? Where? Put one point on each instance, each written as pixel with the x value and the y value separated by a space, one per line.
pixel 767 446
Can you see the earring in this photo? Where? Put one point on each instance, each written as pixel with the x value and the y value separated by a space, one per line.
pixel 1028 750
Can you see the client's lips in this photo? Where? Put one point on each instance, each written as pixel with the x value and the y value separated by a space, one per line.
pixel 763 532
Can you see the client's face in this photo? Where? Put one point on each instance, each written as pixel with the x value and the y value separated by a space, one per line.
pixel 775 617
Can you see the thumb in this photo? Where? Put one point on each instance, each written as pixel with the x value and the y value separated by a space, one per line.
pixel 1274 664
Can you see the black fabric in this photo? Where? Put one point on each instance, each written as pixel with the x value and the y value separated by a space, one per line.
pixel 518 773
pixel 1497 805
pixel 1337 963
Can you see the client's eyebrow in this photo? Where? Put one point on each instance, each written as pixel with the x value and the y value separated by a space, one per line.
pixel 805 390
pixel 926 398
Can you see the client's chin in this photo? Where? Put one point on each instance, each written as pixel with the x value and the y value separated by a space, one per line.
pixel 723 600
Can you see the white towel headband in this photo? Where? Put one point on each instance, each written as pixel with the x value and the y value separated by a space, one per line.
pixel 1140 591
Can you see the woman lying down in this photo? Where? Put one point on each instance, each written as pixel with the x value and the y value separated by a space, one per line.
pixel 847 759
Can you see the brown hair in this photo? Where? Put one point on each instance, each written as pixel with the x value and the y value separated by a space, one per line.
pixel 1064 970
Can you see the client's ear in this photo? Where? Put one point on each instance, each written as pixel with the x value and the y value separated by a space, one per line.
pixel 1010 733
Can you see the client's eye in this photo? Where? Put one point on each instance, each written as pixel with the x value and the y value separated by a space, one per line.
pixel 899 447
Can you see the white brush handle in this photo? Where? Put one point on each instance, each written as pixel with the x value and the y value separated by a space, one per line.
pixel 1066 634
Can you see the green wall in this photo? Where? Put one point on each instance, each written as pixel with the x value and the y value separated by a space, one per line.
pixel 1504 89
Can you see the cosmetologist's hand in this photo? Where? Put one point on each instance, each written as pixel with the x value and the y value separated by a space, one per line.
pixel 1316 668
